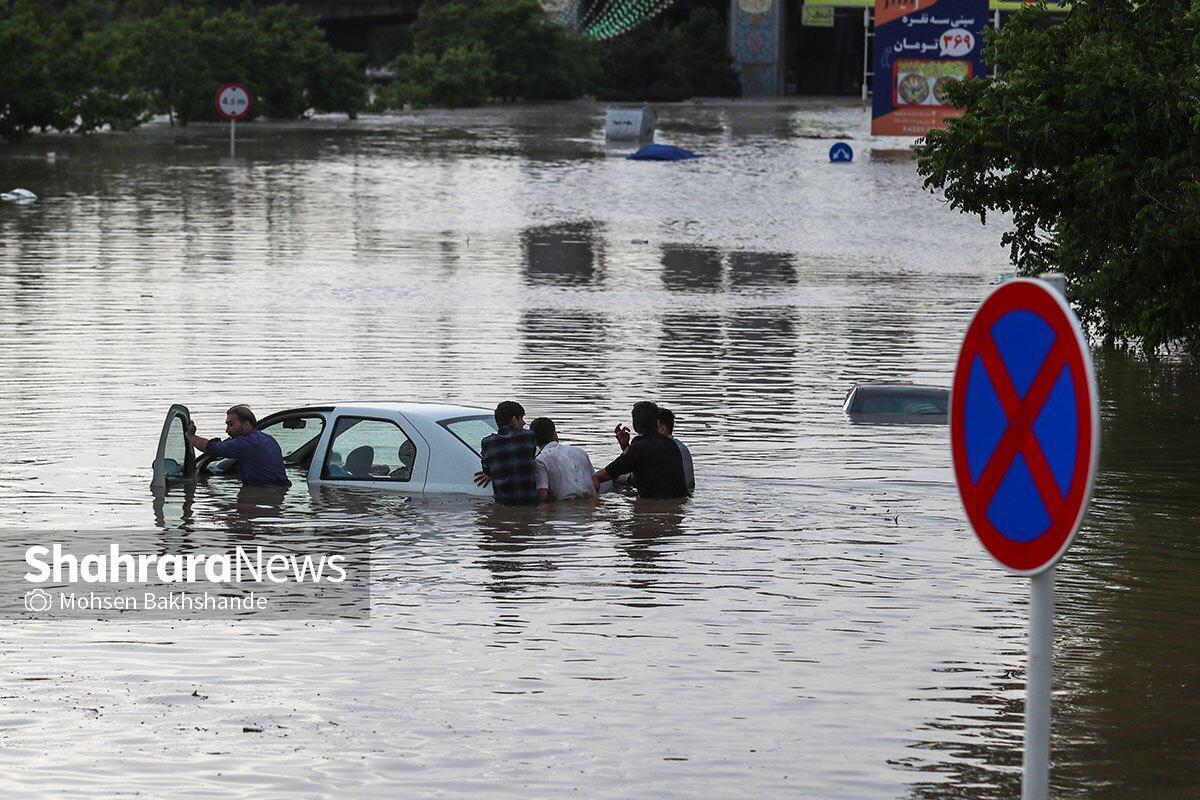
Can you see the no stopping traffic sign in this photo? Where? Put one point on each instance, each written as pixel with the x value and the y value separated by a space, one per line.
pixel 1024 425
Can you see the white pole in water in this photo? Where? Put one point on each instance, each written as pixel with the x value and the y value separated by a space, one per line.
pixel 232 128
pixel 1035 781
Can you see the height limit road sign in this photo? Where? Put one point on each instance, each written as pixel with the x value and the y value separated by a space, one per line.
pixel 234 102
pixel 1024 425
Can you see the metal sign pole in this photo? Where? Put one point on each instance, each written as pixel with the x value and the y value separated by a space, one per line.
pixel 1035 780
pixel 866 50
pixel 232 127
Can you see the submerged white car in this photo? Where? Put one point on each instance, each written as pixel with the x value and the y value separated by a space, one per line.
pixel 413 448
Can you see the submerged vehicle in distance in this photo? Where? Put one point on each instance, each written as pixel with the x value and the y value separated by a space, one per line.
pixel 897 402
pixel 411 448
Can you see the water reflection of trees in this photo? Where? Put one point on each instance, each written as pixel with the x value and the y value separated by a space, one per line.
pixel 644 530
pixel 692 268
pixel 568 253
pixel 749 268
pixel 975 754
pixel 707 269
pixel 1126 713
pixel 565 348
pixel 737 365
pixel 1128 606
pixel 508 538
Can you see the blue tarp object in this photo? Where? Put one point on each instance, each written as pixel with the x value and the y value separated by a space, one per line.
pixel 663 152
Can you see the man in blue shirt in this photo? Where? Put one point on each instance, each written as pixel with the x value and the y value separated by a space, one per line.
pixel 259 459
pixel 508 458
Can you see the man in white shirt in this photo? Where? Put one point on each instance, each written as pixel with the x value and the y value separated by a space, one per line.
pixel 562 472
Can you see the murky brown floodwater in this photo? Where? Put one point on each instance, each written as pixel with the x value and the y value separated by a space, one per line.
pixel 816 622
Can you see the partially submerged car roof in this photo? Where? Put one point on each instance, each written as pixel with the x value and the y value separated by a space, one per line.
pixel 898 398
pixel 433 411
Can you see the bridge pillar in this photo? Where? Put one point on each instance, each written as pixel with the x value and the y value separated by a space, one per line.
pixel 756 44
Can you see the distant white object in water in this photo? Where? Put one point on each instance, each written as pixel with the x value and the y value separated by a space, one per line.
pixel 636 124
pixel 19 196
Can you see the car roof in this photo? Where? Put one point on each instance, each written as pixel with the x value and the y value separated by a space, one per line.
pixel 899 388
pixel 433 411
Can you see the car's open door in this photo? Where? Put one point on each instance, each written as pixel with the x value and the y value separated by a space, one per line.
pixel 174 460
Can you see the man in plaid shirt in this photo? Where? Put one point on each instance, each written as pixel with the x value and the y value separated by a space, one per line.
pixel 508 458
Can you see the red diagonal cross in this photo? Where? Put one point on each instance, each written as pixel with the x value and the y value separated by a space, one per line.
pixel 1019 436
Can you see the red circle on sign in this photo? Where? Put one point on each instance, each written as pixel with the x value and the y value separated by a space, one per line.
pixel 225 112
pixel 1068 352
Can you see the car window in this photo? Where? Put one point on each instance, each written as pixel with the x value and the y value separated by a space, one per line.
pixel 364 449
pixel 903 404
pixel 175 452
pixel 297 437
pixel 471 430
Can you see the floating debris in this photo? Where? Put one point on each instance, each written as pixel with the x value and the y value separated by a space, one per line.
pixel 21 197
pixel 663 152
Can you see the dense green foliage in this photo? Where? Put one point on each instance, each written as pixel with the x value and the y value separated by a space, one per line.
pixel 1090 138
pixel 458 76
pixel 81 65
pixel 674 59
pixel 84 65
pixel 513 51
pixel 466 51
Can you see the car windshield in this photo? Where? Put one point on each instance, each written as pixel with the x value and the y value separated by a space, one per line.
pixel 901 403
pixel 471 430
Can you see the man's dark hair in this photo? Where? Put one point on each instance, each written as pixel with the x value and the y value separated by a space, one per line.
pixel 645 417
pixel 243 412
pixel 543 430
pixel 507 410
pixel 666 418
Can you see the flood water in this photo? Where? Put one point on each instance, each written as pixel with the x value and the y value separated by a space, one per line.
pixel 816 622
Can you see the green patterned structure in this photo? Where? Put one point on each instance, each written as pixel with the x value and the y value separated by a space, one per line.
pixel 607 19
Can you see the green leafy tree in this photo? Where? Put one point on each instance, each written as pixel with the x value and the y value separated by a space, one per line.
pixel 671 58
pixel 106 71
pixel 66 68
pixel 1089 137
pixel 459 77
pixel 643 65
pixel 34 87
pixel 280 55
pixel 412 83
pixel 508 46
pixel 84 65
pixel 463 77
pixel 176 65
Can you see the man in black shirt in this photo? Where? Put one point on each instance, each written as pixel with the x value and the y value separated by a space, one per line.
pixel 654 457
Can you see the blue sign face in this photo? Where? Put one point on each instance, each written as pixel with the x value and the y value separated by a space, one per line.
pixel 841 152
pixel 921 48
pixel 1023 341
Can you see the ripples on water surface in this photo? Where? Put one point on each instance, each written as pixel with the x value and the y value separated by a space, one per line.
pixel 816 622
